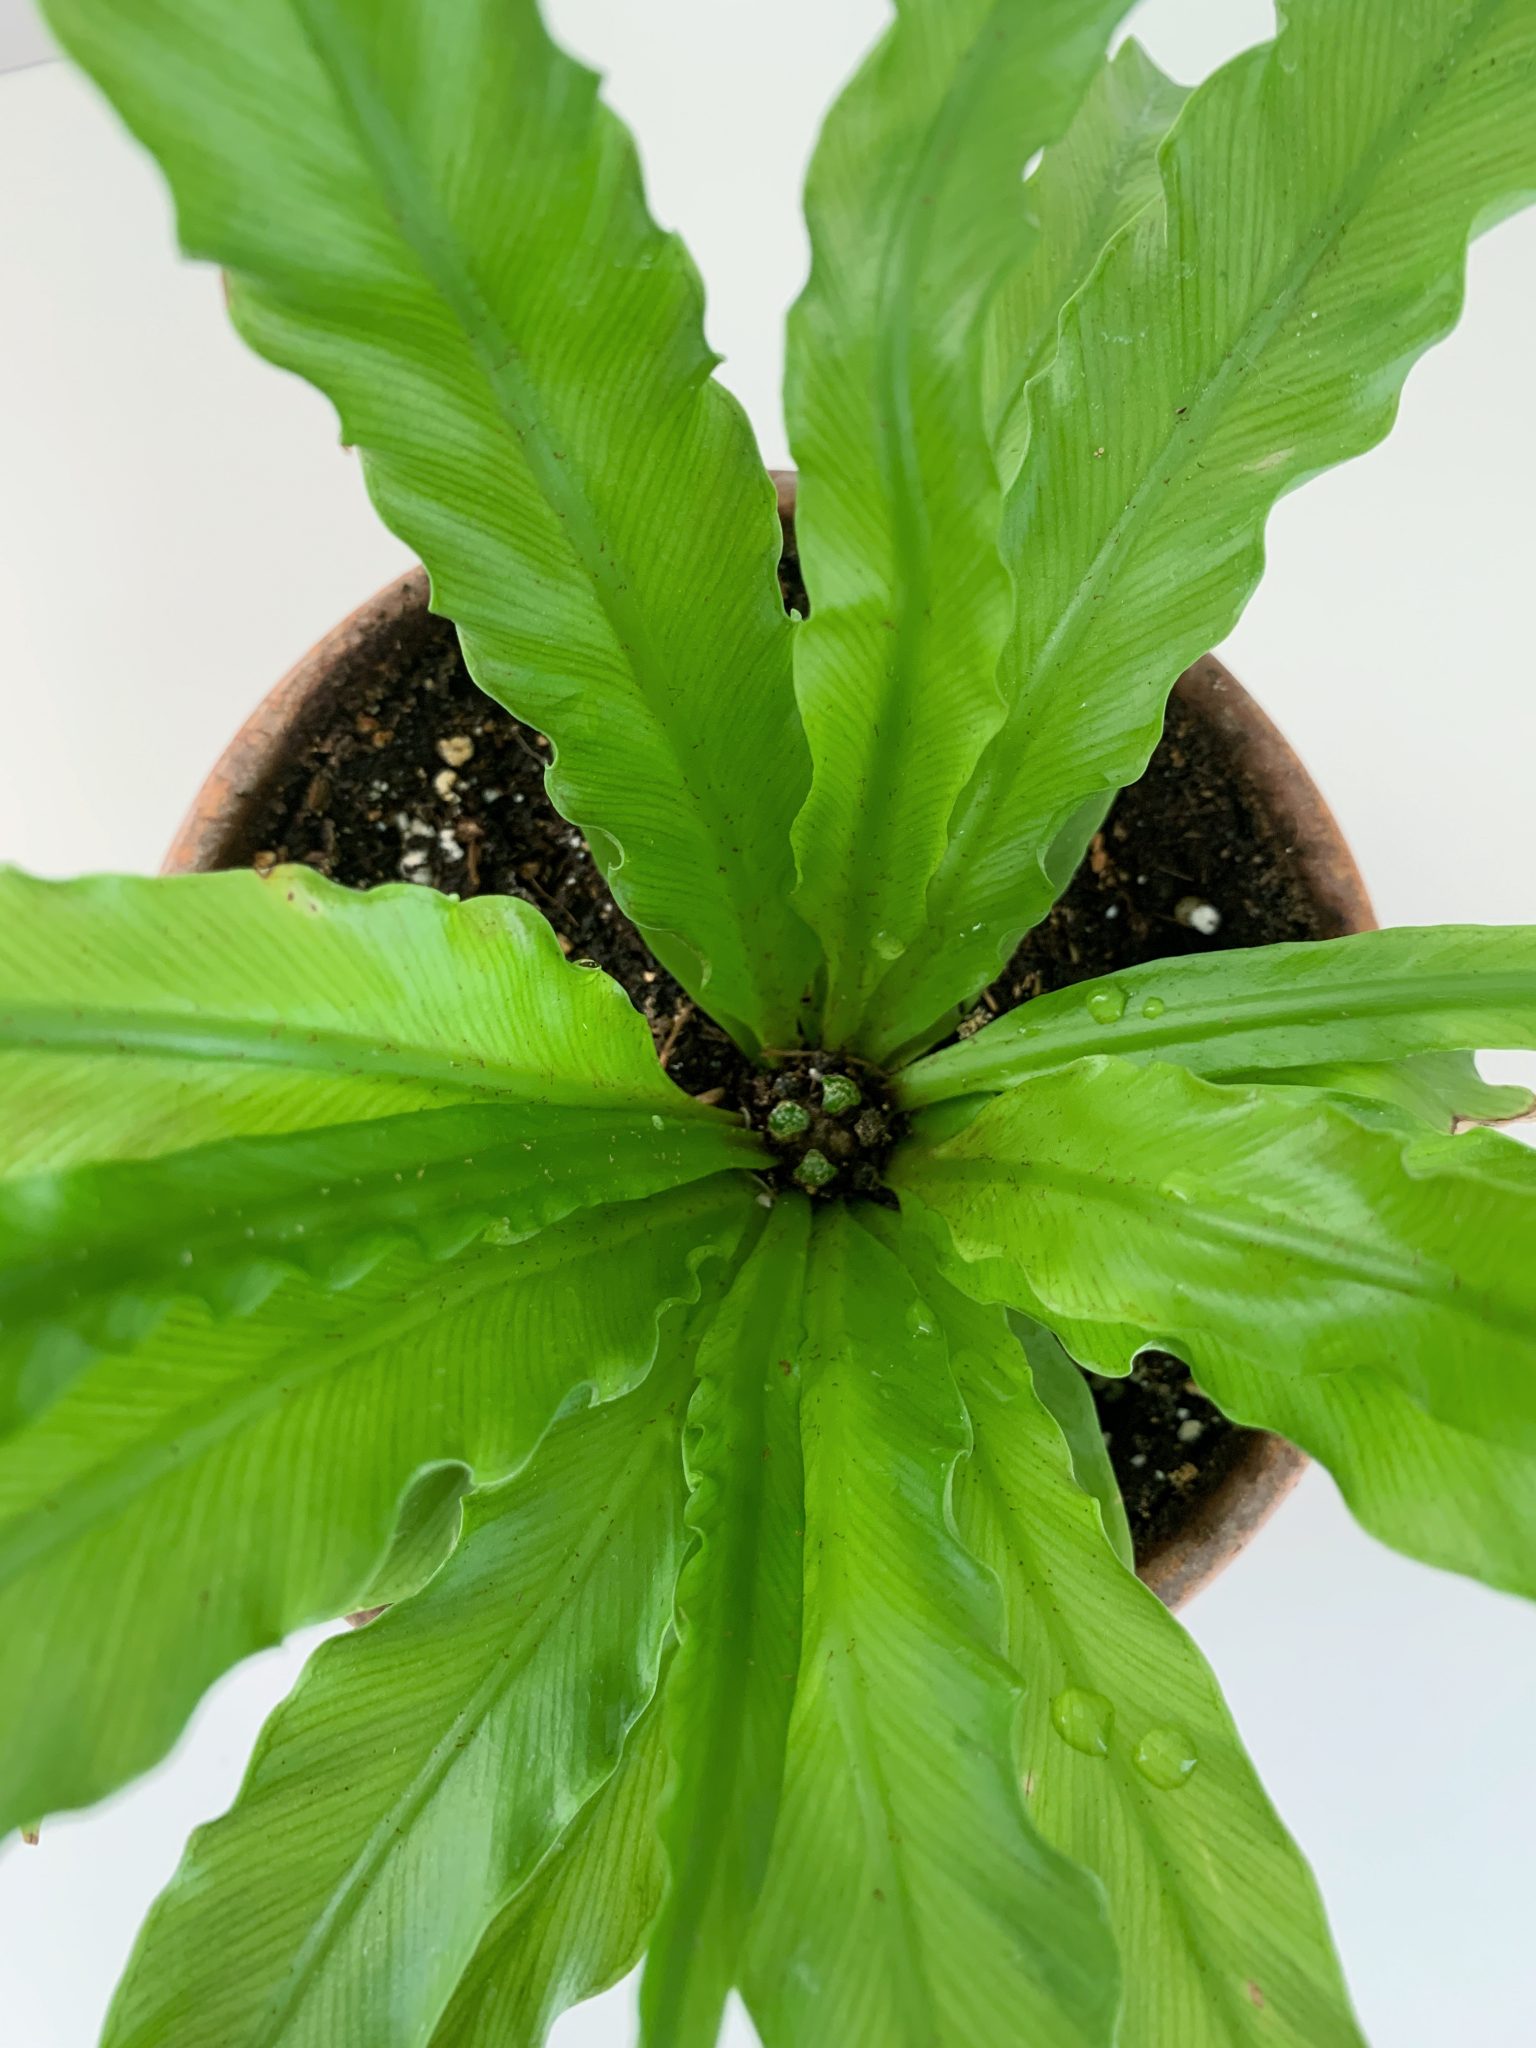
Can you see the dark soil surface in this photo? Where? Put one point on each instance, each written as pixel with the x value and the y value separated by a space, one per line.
pixel 422 778
pixel 413 775
pixel 1187 862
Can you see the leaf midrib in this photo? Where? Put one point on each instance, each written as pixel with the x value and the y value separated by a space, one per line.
pixel 972 816
pixel 1209 1974
pixel 529 1633
pixel 861 1745
pixel 528 1182
pixel 435 247
pixel 902 261
pixel 1434 78
pixel 862 1748
pixel 898 456
pixel 1253 1231
pixel 84 1503
pixel 724 1691
pixel 46 1029
pixel 1233 1013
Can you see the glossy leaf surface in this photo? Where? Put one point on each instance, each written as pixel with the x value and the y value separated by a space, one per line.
pixel 1084 190
pixel 916 209
pixel 139 1016
pixel 1373 996
pixel 1253 329
pixel 276 1449
pixel 738 1617
pixel 425 1765
pixel 1128 1755
pixel 1251 1226
pixel 579 1922
pixel 908 1898
pixel 92 1256
pixel 428 1525
pixel 1441 1089
pixel 426 211
pixel 1066 1396
pixel 1461 1501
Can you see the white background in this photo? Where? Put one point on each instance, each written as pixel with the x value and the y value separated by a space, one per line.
pixel 177 524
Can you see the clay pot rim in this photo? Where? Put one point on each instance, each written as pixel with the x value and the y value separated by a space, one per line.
pixel 1224 1522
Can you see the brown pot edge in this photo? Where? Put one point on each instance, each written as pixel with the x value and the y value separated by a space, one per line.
pixel 1227 1520
pixel 240 776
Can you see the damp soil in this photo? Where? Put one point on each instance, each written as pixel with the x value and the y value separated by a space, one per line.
pixel 408 773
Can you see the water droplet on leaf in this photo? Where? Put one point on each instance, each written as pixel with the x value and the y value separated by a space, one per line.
pixel 1166 1758
pixel 1154 1006
pixel 1106 1006
pixel 1083 1720
pixel 888 946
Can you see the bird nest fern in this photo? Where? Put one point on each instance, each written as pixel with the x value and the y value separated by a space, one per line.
pixel 754 1594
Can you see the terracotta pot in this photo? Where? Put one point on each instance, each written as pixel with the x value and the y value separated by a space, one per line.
pixel 215 834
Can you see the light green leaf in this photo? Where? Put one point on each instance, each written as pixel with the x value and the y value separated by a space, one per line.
pixel 425 1765
pixel 1250 331
pixel 1129 1759
pixel 1067 1396
pixel 482 1078
pixel 1084 190
pixel 141 1016
pixel 427 1528
pixel 1252 1227
pixel 1463 1502
pixel 90 1257
pixel 1371 997
pixel 579 1923
pixel 1441 1089
pixel 427 212
pixel 738 1606
pixel 197 1497
pixel 916 209
pixel 908 1900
